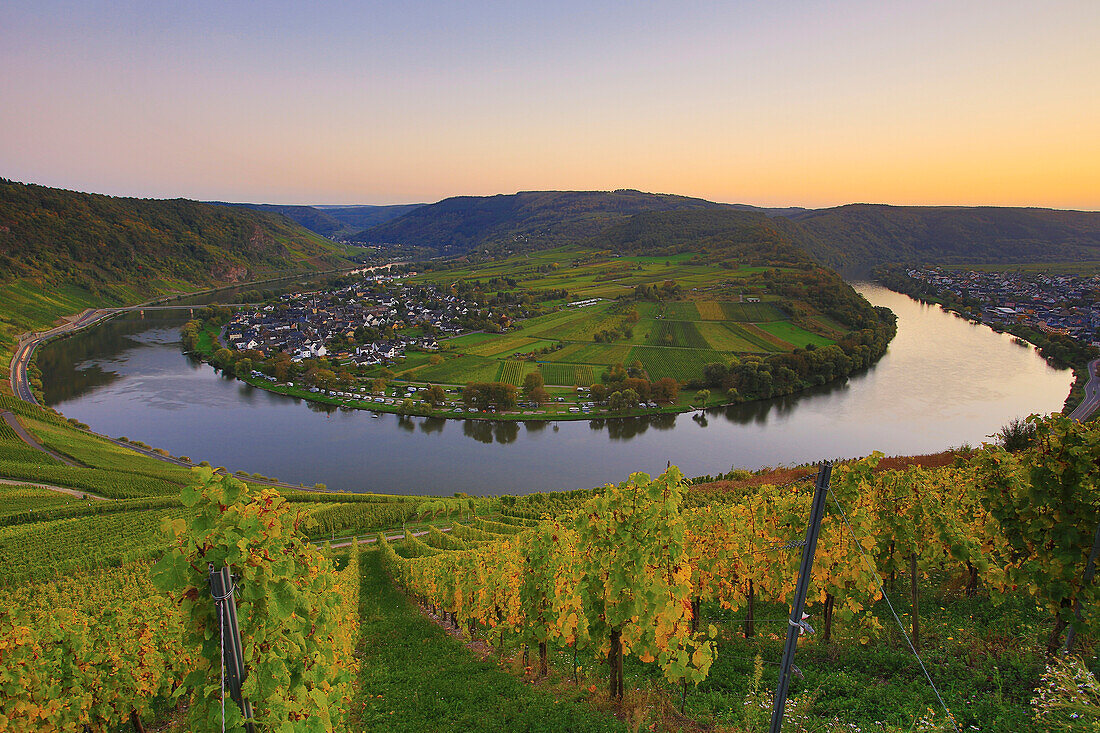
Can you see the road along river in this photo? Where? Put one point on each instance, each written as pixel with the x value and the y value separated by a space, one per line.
pixel 943 382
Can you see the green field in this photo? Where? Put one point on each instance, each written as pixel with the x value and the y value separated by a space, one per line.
pixel 504 345
pixel 720 338
pixel 513 372
pixel 460 370
pixel 751 312
pixel 606 354
pixel 760 340
pixel 463 342
pixel 579 375
pixel 711 319
pixel 682 334
pixel 792 334
pixel 680 364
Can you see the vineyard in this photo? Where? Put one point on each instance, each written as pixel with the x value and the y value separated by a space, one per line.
pixel 676 363
pixel 656 599
pixel 635 571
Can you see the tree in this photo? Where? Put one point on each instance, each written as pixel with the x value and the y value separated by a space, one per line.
pixel 223 359
pixel 539 395
pixel 436 395
pixel 665 389
pixel 715 374
pixel 531 382
pixel 623 400
pixel 495 395
pixel 243 367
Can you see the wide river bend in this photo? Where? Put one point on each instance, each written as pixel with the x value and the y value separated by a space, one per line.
pixel 943 382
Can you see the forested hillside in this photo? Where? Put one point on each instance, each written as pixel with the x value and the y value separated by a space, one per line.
pixel 864 234
pixel 95 241
pixel 63 251
pixel 335 222
pixel 853 237
pixel 525 220
pixel 720 235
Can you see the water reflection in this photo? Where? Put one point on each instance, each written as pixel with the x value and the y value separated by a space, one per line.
pixel 128 377
pixel 488 432
pixel 431 425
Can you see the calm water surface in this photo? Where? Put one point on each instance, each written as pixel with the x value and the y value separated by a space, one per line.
pixel 942 383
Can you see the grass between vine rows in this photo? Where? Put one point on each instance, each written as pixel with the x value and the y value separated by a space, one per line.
pixel 415 677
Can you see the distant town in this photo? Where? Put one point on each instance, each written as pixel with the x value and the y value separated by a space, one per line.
pixel 1061 304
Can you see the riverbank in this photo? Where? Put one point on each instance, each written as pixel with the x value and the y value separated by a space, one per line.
pixel 1066 353
pixel 128 377
pixel 565 403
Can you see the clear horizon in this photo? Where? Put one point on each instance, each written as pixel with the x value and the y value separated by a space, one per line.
pixel 774 105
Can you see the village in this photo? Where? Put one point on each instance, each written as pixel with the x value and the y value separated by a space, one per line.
pixel 374 320
pixel 1062 304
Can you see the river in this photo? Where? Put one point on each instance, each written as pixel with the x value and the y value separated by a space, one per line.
pixel 942 383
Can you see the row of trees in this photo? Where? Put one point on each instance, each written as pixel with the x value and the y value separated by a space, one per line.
pixel 758 377
pixel 619 378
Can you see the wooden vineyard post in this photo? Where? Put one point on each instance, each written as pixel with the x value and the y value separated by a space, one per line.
pixel 914 591
pixel 794 624
pixel 225 608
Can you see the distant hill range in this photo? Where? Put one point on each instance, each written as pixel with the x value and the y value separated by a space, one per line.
pixel 103 243
pixel 853 237
pixel 529 219
pixel 856 234
pixel 334 222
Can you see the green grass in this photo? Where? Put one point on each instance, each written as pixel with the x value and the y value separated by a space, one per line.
pixel 792 334
pixel 95 452
pixel 752 312
pixel 720 338
pixel 606 354
pixel 415 677
pixel 470 339
pixel 544 326
pixel 683 334
pixel 31 306
pixel 776 343
pixel 461 370
pixel 984 657
pixel 762 341
pixel 827 326
pixel 505 346
pixel 682 310
pixel 114 472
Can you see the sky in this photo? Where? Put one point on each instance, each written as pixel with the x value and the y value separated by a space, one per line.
pixel 780 103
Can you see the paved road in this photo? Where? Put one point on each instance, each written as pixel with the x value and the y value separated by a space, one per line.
pixel 14 424
pixel 20 382
pixel 1092 395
